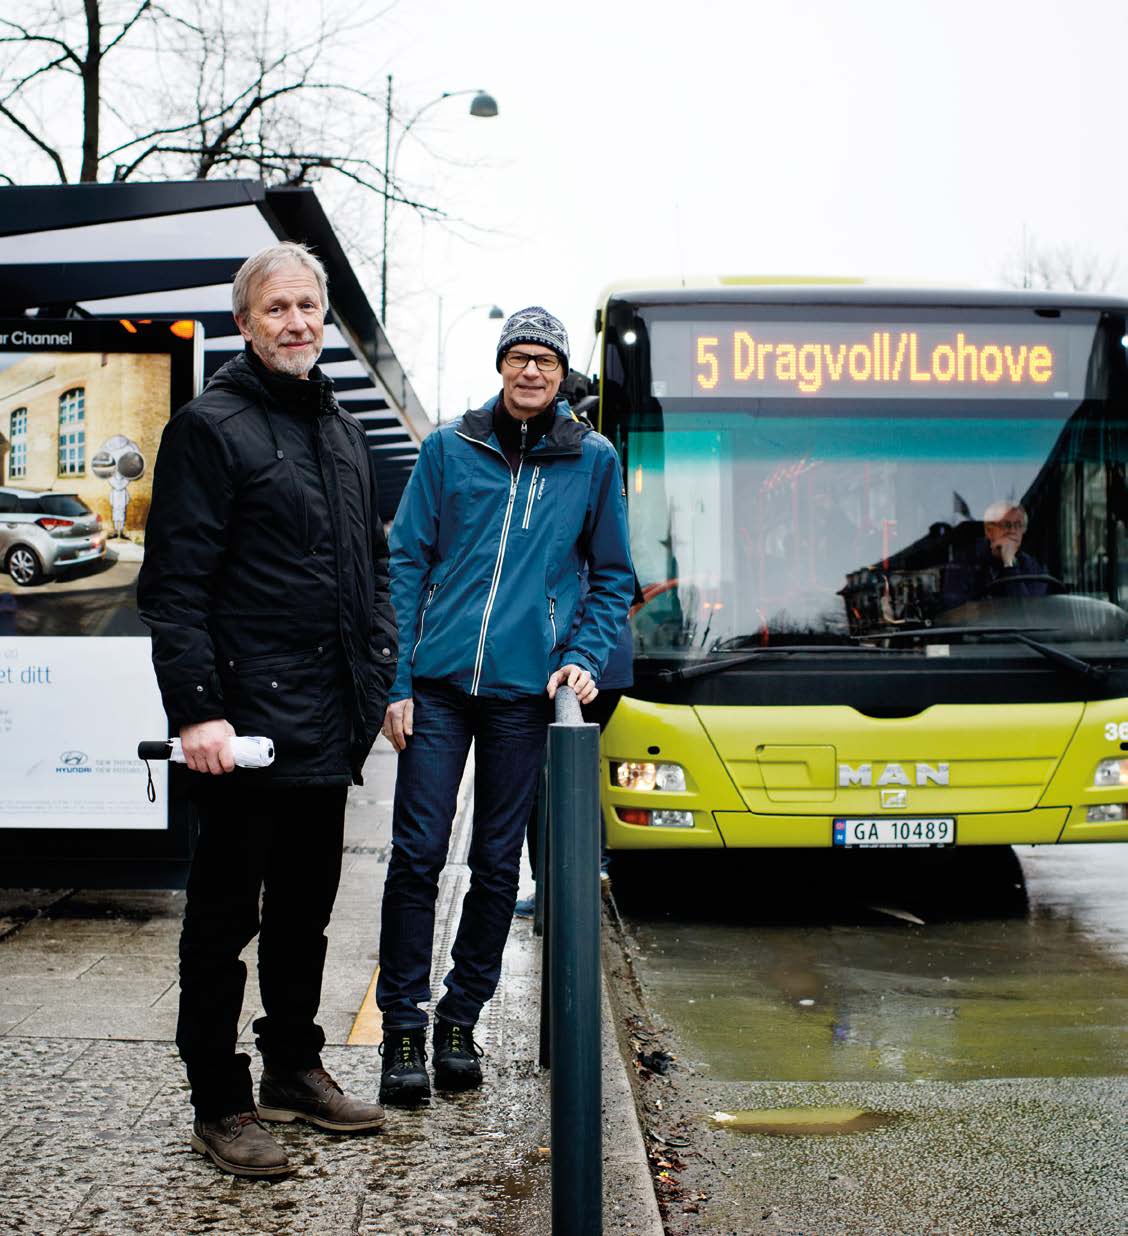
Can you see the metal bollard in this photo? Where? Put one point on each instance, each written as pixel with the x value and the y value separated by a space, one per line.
pixel 541 898
pixel 541 917
pixel 574 971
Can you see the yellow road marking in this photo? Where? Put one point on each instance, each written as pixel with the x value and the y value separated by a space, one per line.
pixel 368 1028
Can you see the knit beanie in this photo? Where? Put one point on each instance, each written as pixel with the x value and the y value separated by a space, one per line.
pixel 534 325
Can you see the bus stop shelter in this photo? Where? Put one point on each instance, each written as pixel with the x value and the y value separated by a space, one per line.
pixel 171 250
pixel 87 274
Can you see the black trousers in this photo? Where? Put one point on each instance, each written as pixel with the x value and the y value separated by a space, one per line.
pixel 598 712
pixel 285 844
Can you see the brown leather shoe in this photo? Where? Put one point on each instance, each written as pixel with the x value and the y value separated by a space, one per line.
pixel 312 1095
pixel 239 1144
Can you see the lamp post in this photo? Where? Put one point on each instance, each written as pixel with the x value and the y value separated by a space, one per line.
pixel 495 315
pixel 483 104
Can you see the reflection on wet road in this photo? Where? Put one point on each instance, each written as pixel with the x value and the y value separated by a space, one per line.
pixel 808 967
pixel 95 599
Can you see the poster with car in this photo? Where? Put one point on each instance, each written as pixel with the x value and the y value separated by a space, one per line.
pixel 82 407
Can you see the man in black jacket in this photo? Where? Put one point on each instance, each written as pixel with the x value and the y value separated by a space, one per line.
pixel 265 587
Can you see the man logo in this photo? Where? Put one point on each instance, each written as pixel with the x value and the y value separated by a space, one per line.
pixel 895 799
pixel 894 774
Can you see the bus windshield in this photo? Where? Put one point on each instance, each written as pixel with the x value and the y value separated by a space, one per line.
pixel 842 476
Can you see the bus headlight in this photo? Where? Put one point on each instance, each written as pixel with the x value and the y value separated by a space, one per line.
pixel 672 819
pixel 1111 773
pixel 643 775
pixel 1106 813
pixel 645 818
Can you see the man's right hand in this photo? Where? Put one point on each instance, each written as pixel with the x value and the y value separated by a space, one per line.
pixel 397 722
pixel 207 747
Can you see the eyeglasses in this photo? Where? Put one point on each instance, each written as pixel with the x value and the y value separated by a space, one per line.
pixel 519 360
pixel 1008 525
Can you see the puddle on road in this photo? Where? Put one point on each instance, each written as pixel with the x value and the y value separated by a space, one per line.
pixel 817 989
pixel 803 1121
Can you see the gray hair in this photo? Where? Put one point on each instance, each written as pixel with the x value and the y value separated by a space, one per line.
pixel 998 510
pixel 266 262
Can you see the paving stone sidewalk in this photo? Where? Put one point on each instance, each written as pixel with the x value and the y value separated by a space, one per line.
pixel 94 1114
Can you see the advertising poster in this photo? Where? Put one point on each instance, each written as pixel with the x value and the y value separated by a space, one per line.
pixel 82 408
pixel 71 710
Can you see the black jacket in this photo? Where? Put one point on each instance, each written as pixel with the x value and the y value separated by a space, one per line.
pixel 265 579
pixel 983 576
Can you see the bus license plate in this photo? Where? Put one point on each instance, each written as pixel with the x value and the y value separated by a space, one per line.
pixel 933 831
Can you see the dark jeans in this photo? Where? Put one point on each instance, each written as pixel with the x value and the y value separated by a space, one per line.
pixel 599 713
pixel 286 845
pixel 508 737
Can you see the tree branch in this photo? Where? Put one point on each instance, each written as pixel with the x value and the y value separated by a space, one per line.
pixel 50 151
pixel 43 68
pixel 25 36
pixel 127 26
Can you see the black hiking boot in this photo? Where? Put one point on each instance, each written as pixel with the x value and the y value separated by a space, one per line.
pixel 404 1081
pixel 456 1056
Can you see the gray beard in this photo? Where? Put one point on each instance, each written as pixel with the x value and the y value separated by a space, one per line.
pixel 274 357
pixel 291 366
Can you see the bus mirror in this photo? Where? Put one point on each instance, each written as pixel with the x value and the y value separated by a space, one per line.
pixel 575 387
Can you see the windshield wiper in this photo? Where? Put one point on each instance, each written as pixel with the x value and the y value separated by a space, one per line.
pixel 1020 634
pixel 704 668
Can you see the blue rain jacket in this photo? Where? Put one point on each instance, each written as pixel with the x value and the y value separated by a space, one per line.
pixel 486 562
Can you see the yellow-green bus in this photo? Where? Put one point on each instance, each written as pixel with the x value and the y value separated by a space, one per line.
pixel 882 537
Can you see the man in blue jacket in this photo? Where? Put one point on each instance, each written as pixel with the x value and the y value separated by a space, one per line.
pixel 504 509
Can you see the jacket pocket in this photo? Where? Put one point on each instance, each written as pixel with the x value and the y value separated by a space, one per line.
pixel 552 624
pixel 423 619
pixel 280 698
pixel 533 495
pixel 245 665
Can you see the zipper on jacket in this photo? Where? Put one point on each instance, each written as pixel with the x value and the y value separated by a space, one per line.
pixel 300 499
pixel 552 619
pixel 423 619
pixel 532 494
pixel 479 656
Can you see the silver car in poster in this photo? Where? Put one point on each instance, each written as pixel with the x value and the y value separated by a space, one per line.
pixel 43 533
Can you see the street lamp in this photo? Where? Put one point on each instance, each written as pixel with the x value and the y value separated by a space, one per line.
pixel 483 104
pixel 495 315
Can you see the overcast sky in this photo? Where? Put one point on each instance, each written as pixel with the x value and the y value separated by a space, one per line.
pixel 913 140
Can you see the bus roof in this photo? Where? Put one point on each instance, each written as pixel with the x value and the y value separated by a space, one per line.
pixel 841 290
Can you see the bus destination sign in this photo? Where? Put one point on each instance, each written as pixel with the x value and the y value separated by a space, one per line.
pixel 871 360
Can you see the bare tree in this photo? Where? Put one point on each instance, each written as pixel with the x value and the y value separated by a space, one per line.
pixel 173 89
pixel 238 91
pixel 62 40
pixel 1058 267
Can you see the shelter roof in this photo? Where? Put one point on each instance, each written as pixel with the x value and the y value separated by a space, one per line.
pixel 172 248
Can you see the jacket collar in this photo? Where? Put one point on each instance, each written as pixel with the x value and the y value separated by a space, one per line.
pixel 312 397
pixel 564 438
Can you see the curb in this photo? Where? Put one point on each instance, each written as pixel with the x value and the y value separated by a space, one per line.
pixel 629 1203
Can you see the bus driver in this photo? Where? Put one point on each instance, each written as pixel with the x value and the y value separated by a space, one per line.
pixel 997 566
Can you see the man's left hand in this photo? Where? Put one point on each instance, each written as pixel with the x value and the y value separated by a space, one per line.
pixel 578 679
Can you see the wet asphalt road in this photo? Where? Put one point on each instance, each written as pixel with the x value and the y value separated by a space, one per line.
pixel 98 598
pixel 978 999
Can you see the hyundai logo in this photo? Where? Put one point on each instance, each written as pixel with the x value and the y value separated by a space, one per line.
pixel 73 759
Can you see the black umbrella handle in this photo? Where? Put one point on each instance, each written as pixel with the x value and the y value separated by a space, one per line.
pixel 154 750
